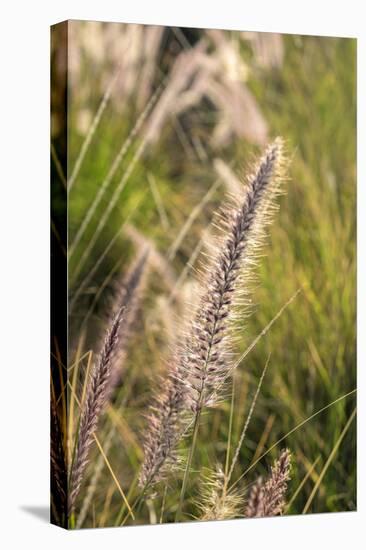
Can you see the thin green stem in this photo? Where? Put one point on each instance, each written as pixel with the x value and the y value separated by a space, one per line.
pixel 189 462
pixel 230 427
pixel 137 504
pixel 328 462
pixel 163 504
pixel 123 507
pixel 72 521
pixel 289 433
pixel 244 431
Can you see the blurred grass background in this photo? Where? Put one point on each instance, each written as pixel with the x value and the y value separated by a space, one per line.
pixel 220 96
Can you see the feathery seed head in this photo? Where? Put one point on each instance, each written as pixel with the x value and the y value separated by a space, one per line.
pixel 96 396
pixel 268 499
pixel 104 376
pixel 165 427
pixel 217 502
pixel 204 359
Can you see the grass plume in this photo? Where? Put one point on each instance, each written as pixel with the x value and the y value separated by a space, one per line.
pixel 268 498
pixel 165 428
pixel 96 397
pixel 204 361
pixel 105 375
pixel 218 503
pixel 207 355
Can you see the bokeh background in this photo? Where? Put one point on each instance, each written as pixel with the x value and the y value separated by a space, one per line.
pixel 162 123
